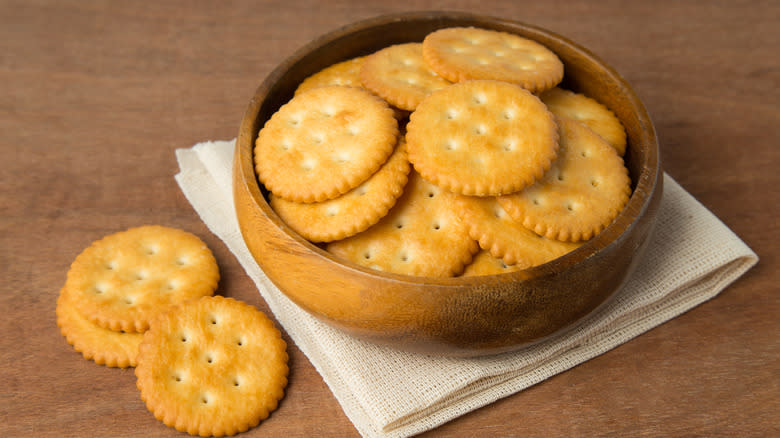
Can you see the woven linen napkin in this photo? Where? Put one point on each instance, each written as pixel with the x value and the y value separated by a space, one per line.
pixel 389 393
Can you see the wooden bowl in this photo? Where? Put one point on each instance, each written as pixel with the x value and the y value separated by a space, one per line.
pixel 464 316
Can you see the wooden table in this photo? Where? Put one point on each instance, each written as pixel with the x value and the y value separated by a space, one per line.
pixel 96 95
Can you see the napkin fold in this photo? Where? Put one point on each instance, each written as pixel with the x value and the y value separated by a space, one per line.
pixel 388 393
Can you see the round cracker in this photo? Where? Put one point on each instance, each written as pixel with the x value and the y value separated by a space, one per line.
pixel 589 111
pixel 351 212
pixel 505 238
pixel 103 346
pixel 212 366
pixel 485 264
pixel 421 235
pixel 345 73
pixel 584 190
pixel 400 75
pixel 482 138
pixel 467 53
pixel 123 280
pixel 324 142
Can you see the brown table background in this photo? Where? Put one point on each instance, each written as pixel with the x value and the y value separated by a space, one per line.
pixel 96 95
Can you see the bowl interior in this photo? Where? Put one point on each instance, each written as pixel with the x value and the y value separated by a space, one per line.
pixel 584 73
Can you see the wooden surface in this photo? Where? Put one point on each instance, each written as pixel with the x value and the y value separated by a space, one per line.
pixel 97 95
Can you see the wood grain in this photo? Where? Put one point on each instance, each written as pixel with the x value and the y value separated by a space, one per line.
pixel 97 95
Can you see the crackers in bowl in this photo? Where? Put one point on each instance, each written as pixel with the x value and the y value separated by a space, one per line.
pixel 528 170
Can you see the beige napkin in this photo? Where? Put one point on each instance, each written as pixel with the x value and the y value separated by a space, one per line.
pixel 388 393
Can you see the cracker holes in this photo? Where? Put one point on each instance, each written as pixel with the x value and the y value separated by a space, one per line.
pixel 294 121
pixel 508 145
pixel 141 275
pixel 209 358
pixel 99 289
pixel 362 191
pixel 536 201
pixel 331 211
pixel 240 342
pixel 129 300
pixel 559 177
pixel 479 99
pixel 404 257
pixel 436 226
pixel 110 265
pixel 169 286
pixel 236 382
pixel 317 138
pixel 399 225
pixel 342 157
pixel 308 164
pixel 184 338
pixel 570 207
pixel 508 114
pixel 353 130
pixel 367 255
pixel 151 250
pixel 451 114
pixel 450 145
pixel 594 183
pixel 431 194
pixel 480 129
pixel 205 399
pixel 585 154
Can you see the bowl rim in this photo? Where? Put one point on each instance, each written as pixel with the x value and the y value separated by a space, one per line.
pixel 647 182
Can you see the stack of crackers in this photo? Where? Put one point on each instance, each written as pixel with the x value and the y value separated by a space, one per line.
pixel 459 155
pixel 144 297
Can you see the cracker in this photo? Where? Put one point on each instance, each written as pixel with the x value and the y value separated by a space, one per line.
pixel 594 114
pixel 351 212
pixel 482 138
pixel 400 75
pixel 103 346
pixel 485 264
pixel 324 142
pixel 123 280
pixel 467 53
pixel 212 366
pixel 345 73
pixel 506 238
pixel 421 235
pixel 584 190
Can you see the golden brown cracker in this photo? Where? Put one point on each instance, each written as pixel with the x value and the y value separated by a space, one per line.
pixel 324 142
pixel 212 366
pixel 594 114
pixel 399 75
pixel 351 212
pixel 123 280
pixel 467 53
pixel 421 235
pixel 482 138
pixel 345 73
pixel 584 190
pixel 103 346
pixel 485 264
pixel 505 238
